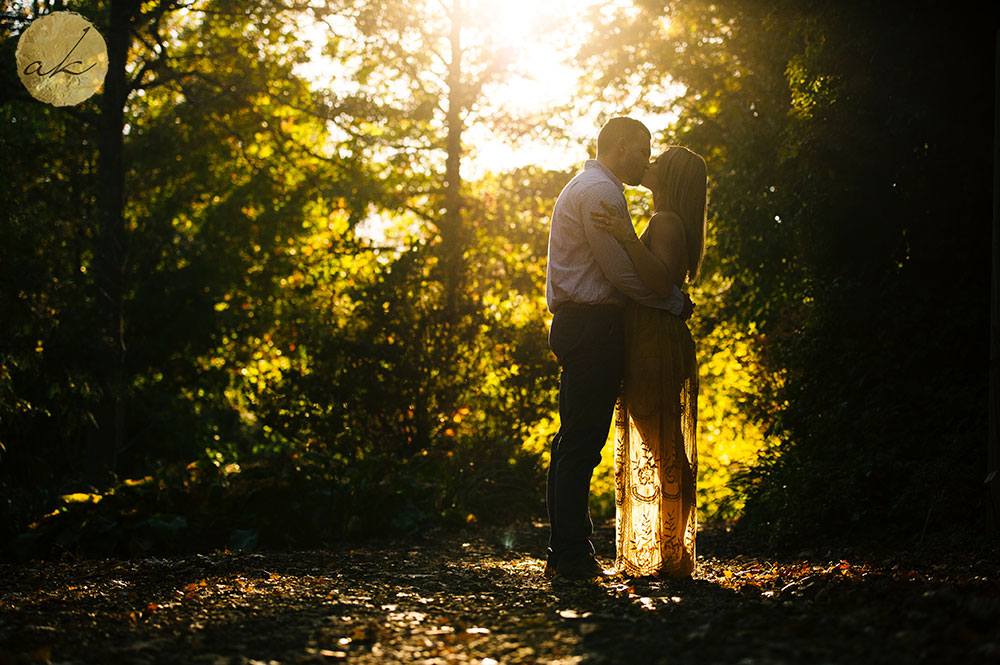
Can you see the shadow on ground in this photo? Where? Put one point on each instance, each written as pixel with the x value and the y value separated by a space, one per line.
pixel 479 597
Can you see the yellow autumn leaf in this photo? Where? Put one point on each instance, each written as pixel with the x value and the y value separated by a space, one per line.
pixel 81 497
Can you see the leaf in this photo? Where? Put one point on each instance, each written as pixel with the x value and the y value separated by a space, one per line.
pixel 194 586
pixel 573 614
pixel 81 497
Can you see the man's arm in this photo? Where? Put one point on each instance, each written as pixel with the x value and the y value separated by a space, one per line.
pixel 650 267
pixel 614 259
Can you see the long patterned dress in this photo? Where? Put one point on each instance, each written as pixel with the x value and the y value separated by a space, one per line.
pixel 656 461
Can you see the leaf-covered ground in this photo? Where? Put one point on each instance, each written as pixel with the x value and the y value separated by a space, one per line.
pixel 478 597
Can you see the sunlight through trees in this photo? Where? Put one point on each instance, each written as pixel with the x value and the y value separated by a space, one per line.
pixel 294 254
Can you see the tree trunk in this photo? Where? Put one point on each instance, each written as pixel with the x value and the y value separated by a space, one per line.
pixel 110 260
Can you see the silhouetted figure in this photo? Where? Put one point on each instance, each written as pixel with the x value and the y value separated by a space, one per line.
pixel 656 459
pixel 589 280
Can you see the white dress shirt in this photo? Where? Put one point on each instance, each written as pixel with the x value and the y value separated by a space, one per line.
pixel 587 265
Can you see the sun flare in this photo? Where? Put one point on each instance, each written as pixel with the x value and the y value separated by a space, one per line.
pixel 512 21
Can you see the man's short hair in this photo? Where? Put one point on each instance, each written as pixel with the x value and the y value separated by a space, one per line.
pixel 620 128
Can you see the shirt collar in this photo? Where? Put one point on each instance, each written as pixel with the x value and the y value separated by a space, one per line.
pixel 594 164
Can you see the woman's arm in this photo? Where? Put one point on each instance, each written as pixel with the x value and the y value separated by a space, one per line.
pixel 652 270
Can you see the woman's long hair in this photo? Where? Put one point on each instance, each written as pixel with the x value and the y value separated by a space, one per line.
pixel 683 187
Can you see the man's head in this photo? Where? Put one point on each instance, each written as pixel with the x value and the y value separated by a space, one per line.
pixel 623 146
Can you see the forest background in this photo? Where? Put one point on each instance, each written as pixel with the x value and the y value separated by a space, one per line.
pixel 270 288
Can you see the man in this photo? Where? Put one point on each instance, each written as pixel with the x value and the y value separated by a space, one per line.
pixel 589 279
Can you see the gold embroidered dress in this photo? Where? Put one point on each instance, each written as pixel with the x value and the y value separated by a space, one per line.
pixel 656 461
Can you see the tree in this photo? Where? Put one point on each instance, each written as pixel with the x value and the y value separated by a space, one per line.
pixel 831 258
pixel 409 81
pixel 259 325
pixel 196 132
pixel 421 75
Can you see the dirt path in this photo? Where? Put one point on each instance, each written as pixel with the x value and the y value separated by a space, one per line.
pixel 479 598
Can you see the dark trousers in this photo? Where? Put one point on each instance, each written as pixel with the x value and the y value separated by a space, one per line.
pixel 589 343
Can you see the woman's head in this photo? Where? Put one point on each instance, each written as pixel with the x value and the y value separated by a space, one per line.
pixel 679 183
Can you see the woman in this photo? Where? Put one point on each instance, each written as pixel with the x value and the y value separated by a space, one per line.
pixel 655 454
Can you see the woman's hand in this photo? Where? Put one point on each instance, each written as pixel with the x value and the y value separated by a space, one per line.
pixel 609 220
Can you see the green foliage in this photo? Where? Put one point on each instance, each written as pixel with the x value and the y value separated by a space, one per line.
pixel 327 380
pixel 290 256
pixel 284 499
pixel 847 246
pixel 728 442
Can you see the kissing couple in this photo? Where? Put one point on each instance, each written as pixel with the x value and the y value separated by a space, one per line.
pixel 624 349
